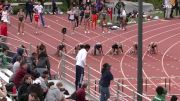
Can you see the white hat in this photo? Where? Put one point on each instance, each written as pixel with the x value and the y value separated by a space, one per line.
pixel 37 81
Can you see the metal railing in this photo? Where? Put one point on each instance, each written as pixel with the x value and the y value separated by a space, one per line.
pixel 67 72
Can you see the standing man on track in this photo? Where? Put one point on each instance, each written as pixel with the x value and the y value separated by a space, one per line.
pixel 40 10
pixel 80 64
pixel 29 9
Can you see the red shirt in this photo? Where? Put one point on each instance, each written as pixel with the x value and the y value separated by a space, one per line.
pixel 4 29
pixel 18 76
pixel 81 94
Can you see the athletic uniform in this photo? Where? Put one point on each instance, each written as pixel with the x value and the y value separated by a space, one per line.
pixel 21 17
pixel 36 17
pixel 4 29
pixel 104 23
pixel 71 15
pixel 94 17
pixel 87 15
pixel 5 16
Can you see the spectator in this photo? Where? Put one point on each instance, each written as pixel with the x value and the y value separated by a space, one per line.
pixel 18 76
pixel 174 98
pixel 41 48
pixel 29 9
pixel 36 88
pixel 3 45
pixel 43 63
pixel 43 81
pixel 20 52
pixel 119 6
pixel 23 88
pixel 80 64
pixel 3 91
pixel 104 83
pixel 54 7
pixel 33 60
pixel 161 94
pixel 16 65
pixel 3 59
pixel 61 88
pixel 81 93
pixel 178 8
pixel 33 97
pixel 168 7
pixel 54 94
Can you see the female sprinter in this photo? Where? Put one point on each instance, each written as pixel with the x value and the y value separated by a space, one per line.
pixel 72 17
pixel 94 17
pixel 87 14
pixel 20 16
pixel 36 20
pixel 104 20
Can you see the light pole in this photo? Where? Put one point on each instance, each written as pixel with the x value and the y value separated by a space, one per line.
pixel 140 63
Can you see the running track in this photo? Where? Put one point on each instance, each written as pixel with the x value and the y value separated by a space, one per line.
pixel 165 64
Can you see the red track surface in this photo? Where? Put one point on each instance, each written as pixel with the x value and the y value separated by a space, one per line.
pixel 165 64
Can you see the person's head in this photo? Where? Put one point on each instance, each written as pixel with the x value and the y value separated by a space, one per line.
pixel 33 97
pixel 84 85
pixel 23 65
pixel 160 90
pixel 87 47
pixel 27 79
pixel 174 98
pixel 45 75
pixel 81 46
pixel 20 51
pixel 19 58
pixel 34 54
pixel 87 7
pixel 106 67
pixel 50 84
pixel 59 84
pixel 21 10
pixel 42 54
pixel 4 8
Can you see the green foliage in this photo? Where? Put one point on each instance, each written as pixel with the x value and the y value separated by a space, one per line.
pixel 64 6
pixel 157 3
pixel 16 8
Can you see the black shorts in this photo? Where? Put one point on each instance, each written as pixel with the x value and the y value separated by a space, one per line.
pixel 21 19
pixel 115 46
pixel 98 46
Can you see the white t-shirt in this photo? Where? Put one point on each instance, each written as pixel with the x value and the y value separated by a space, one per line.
pixel 39 8
pixel 123 13
pixel 5 16
pixel 81 58
pixel 16 66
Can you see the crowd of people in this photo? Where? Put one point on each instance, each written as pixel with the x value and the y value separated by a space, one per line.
pixel 169 7
pixel 90 13
pixel 31 74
